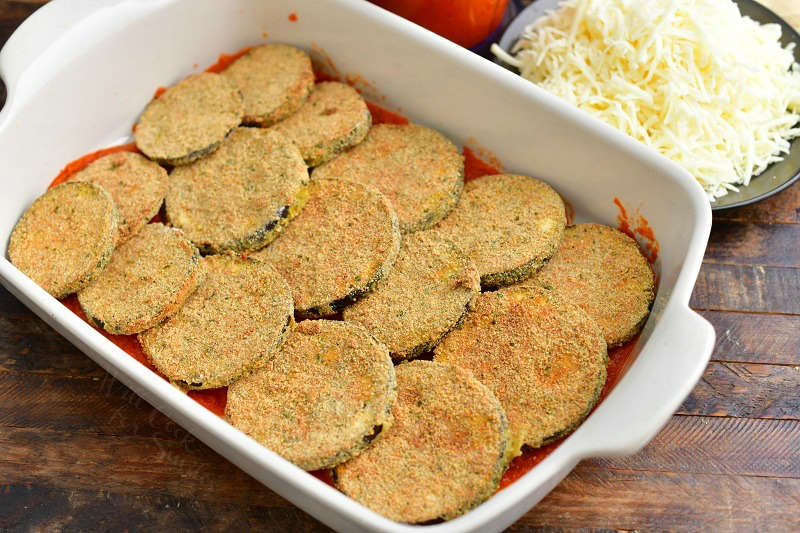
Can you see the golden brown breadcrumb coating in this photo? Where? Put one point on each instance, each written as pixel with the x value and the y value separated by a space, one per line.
pixel 443 455
pixel 275 80
pixel 322 399
pixel 136 184
pixel 344 241
pixel 241 196
pixel 603 271
pixel 189 119
pixel 235 320
pixel 333 119
pixel 418 169
pixel 148 278
pixel 544 359
pixel 65 238
pixel 509 224
pixel 429 289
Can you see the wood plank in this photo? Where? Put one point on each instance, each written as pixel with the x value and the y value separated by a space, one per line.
pixel 106 407
pixel 755 338
pixel 747 288
pixel 746 390
pixel 44 508
pixel 187 470
pixel 587 499
pixel 13 13
pixel 99 405
pixel 783 208
pixel 743 243
pixel 632 500
pixel 718 445
pixel 183 468
pixel 178 466
pixel 28 344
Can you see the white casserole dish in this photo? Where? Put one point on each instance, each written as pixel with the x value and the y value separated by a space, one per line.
pixel 79 72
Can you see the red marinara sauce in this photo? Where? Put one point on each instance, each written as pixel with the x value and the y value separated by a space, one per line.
pixel 638 225
pixel 619 360
pixel 225 60
pixel 474 167
pixel 83 162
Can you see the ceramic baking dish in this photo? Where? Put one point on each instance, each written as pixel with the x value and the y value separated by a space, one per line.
pixel 79 72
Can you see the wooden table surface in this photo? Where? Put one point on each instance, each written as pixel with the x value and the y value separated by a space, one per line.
pixel 80 451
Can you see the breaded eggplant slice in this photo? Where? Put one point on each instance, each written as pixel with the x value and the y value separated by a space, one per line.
pixel 322 399
pixel 544 359
pixel 418 169
pixel 236 319
pixel 65 238
pixel 444 454
pixel 333 119
pixel 509 224
pixel 427 292
pixel 275 80
pixel 240 196
pixel 189 119
pixel 341 244
pixel 147 280
pixel 136 184
pixel 602 271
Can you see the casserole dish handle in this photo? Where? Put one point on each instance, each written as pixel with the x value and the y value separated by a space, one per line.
pixel 40 31
pixel 661 386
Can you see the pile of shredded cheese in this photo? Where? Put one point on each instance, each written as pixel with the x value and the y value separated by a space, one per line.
pixel 710 89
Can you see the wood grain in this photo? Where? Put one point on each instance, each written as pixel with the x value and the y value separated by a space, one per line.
pixel 746 390
pixel 631 500
pixel 45 508
pixel 750 288
pixel 783 208
pixel 101 406
pixel 755 338
pixel 718 445
pixel 106 407
pixel 82 452
pixel 184 467
pixel 31 345
pixel 185 470
pixel 743 243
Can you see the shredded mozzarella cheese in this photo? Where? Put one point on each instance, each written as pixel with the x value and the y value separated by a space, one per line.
pixel 710 89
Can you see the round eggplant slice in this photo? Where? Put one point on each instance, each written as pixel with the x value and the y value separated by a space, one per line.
pixel 418 169
pixel 190 119
pixel 428 291
pixel 344 241
pixel 544 359
pixel 147 280
pixel 235 320
pixel 444 454
pixel 275 80
pixel 509 224
pixel 322 399
pixel 242 195
pixel 333 119
pixel 136 184
pixel 603 271
pixel 65 238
